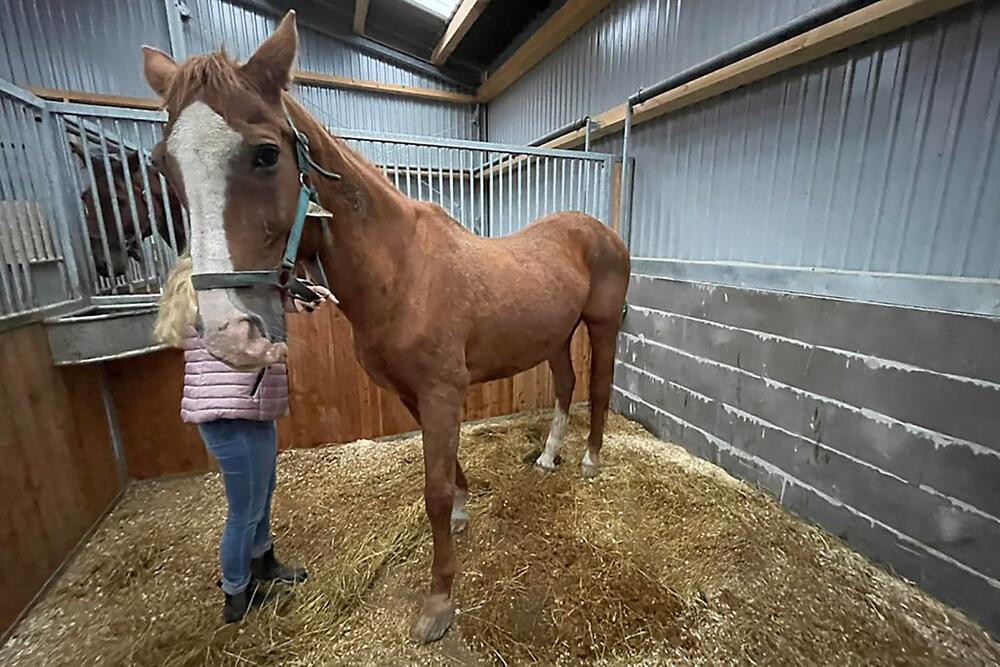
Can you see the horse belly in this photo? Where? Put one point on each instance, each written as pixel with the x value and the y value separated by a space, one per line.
pixel 507 350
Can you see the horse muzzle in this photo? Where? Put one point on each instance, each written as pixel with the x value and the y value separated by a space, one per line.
pixel 243 328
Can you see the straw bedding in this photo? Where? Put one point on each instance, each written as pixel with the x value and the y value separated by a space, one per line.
pixel 664 559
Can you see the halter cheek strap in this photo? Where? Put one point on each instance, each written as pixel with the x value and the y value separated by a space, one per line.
pixel 282 277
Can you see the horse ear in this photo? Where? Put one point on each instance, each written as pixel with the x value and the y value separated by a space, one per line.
pixel 160 69
pixel 270 68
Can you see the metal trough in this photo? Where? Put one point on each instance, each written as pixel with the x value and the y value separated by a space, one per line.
pixel 102 332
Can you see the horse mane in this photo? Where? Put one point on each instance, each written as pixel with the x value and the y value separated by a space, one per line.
pixel 216 71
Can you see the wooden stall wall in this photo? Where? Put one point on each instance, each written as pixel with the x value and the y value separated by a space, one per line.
pixel 332 399
pixel 59 473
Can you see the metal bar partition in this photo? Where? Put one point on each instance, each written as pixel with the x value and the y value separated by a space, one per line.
pixel 80 187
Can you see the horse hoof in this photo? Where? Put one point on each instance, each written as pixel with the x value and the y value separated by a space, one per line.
pixel 435 618
pixel 544 468
pixel 459 522
pixel 589 470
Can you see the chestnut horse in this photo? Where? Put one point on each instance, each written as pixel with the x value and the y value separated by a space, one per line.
pixel 433 307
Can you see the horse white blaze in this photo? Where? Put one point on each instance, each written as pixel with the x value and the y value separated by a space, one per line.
pixel 203 145
pixel 557 433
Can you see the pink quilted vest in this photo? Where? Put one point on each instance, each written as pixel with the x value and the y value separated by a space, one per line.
pixel 213 390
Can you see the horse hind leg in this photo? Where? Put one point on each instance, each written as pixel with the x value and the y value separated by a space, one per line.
pixel 563 378
pixel 602 365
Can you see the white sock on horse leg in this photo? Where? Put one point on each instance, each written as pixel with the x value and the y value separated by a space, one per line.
pixel 557 433
pixel 459 517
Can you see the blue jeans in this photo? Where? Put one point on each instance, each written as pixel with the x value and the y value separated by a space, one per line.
pixel 247 453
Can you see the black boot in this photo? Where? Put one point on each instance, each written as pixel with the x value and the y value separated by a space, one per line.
pixel 236 606
pixel 269 568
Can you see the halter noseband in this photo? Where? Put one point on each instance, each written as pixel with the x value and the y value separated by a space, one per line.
pixel 282 277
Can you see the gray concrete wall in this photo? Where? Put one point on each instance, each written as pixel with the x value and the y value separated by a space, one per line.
pixel 879 423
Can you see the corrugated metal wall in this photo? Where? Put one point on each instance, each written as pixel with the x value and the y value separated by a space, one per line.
pixel 631 44
pixel 85 45
pixel 881 158
pixel 93 46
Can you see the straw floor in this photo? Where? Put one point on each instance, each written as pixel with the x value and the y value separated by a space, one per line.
pixel 664 559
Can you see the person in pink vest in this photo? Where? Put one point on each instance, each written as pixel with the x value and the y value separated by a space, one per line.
pixel 236 414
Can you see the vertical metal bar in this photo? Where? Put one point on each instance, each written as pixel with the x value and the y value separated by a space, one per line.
pixel 175 30
pixel 162 261
pixel 420 182
pixel 119 225
pixel 625 223
pixel 98 209
pixel 395 167
pixel 19 262
pixel 12 294
pixel 147 268
pixel 177 246
pixel 562 186
pixel 539 164
pixel 451 185
pixel 53 167
pixel 406 164
pixel 586 136
pixel 77 189
pixel 510 194
pixel 440 166
pixel 546 168
pixel 31 238
pixel 485 215
pixel 520 193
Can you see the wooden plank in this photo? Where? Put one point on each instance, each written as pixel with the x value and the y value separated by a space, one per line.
pixel 876 19
pixel 360 16
pixel 569 18
pixel 61 95
pixel 332 81
pixel 463 18
pixel 301 77
pixel 60 474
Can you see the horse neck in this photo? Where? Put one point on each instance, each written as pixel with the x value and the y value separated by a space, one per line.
pixel 372 225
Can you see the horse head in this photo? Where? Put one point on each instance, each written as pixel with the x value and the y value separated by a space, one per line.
pixel 229 152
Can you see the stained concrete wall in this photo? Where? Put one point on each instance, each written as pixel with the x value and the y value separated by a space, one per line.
pixel 879 423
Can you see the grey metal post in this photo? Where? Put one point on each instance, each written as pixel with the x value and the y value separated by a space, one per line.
pixel 177 11
pixel 625 212
pixel 60 192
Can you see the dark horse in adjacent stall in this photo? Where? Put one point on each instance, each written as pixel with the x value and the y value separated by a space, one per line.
pixel 114 186
pixel 433 307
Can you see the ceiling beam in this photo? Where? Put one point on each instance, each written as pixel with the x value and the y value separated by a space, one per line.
pixel 360 15
pixel 565 22
pixel 331 81
pixel 461 21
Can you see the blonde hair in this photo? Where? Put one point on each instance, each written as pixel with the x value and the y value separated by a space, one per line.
pixel 178 305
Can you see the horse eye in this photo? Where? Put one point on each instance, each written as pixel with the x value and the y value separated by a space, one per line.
pixel 265 156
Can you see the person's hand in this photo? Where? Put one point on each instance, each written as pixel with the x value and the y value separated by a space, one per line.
pixel 323 293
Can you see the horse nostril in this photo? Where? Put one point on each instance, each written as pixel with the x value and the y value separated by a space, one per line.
pixel 256 325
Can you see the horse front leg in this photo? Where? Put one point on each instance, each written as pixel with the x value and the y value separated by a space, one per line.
pixel 440 420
